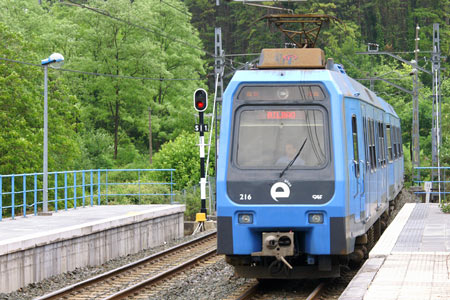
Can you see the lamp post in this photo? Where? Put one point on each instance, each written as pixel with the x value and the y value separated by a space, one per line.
pixel 55 60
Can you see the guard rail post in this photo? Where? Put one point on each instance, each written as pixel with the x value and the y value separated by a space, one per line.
pixel 12 197
pixel 35 194
pixel 139 182
pixel 106 186
pixel 65 190
pixel 98 187
pixel 92 188
pixel 83 186
pixel 1 198
pixel 56 192
pixel 171 187
pixel 74 189
pixel 24 195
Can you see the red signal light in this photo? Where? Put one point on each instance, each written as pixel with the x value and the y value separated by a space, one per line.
pixel 200 100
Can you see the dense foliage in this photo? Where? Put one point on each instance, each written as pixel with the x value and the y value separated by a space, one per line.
pixel 95 121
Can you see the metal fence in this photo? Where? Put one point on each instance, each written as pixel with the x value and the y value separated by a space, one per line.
pixel 23 193
pixel 194 191
pixel 434 189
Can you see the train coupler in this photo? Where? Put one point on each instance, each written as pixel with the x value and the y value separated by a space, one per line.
pixel 278 244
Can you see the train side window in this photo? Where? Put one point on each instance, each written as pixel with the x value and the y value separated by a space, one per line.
pixel 355 145
pixel 374 149
pixel 372 145
pixel 394 141
pixel 400 141
pixel 377 143
pixel 389 141
pixel 366 142
pixel 382 144
pixel 369 144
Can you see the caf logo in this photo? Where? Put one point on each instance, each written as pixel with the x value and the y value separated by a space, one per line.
pixel 280 190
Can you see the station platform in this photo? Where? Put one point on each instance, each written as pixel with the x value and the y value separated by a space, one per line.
pixel 411 261
pixel 37 247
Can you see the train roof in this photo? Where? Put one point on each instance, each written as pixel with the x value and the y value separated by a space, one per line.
pixel 355 89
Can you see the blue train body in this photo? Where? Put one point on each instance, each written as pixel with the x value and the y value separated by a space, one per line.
pixel 302 220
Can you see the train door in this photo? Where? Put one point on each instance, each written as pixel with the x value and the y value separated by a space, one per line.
pixel 371 175
pixel 355 155
pixel 383 161
pixel 379 163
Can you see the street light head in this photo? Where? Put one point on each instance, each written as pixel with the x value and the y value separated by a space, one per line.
pixel 56 60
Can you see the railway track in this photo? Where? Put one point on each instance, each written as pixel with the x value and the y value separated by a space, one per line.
pixel 145 277
pixel 255 291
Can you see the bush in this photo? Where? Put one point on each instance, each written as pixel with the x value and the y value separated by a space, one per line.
pixel 445 208
pixel 183 155
pixel 162 192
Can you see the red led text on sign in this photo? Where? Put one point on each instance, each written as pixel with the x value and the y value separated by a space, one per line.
pixel 281 115
pixel 252 94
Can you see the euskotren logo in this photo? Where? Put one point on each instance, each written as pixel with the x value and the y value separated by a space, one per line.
pixel 280 190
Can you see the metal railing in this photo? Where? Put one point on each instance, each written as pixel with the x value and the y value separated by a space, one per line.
pixel 24 192
pixel 435 188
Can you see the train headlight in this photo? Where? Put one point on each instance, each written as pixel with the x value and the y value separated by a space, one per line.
pixel 315 218
pixel 245 219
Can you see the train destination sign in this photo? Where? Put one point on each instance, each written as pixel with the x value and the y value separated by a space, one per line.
pixel 281 115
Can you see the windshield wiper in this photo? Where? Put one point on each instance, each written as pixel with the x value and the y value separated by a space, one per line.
pixel 293 160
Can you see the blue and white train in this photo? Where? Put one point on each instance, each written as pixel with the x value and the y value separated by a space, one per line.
pixel 309 162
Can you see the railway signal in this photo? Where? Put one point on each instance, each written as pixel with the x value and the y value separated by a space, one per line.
pixel 200 105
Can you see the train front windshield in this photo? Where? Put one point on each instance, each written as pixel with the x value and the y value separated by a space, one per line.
pixel 270 137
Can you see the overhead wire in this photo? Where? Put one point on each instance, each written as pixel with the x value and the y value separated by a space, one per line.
pixel 20 62
pixel 174 7
pixel 102 74
pixel 243 54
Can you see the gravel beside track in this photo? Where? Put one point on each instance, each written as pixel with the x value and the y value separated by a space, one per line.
pixel 215 281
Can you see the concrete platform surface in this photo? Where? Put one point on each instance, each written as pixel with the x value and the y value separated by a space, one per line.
pixel 22 233
pixel 37 247
pixel 410 261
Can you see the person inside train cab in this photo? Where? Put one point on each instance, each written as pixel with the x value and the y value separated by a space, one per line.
pixel 289 153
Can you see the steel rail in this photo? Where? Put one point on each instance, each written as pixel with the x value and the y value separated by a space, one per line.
pixel 145 283
pixel 249 292
pixel 314 294
pixel 252 290
pixel 104 276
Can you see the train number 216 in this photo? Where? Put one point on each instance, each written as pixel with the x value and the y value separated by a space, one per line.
pixel 245 197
